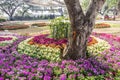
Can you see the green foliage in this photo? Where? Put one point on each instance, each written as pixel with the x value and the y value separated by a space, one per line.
pixel 84 4
pixel 2 20
pixel 112 3
pixel 59 28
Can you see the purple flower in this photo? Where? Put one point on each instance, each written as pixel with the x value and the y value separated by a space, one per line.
pixel 63 77
pixel 112 49
pixel 46 77
pixel 1 78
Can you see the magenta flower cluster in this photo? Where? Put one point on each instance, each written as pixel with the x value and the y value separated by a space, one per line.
pixel 111 56
pixel 5 38
pixel 43 39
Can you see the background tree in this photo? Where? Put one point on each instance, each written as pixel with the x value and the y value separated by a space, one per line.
pixel 110 5
pixel 119 6
pixel 24 9
pixel 81 27
pixel 9 7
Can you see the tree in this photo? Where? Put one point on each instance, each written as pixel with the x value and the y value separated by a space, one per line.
pixel 104 8
pixel 24 9
pixel 112 3
pixel 9 7
pixel 81 27
pixel 119 6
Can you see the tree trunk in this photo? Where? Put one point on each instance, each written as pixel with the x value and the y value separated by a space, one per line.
pixel 81 27
pixel 77 45
pixel 11 17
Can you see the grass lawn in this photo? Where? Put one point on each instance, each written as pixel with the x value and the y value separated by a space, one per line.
pixel 114 25
pixel 30 30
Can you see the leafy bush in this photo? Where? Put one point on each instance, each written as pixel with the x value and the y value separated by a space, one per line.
pixel 102 25
pixel 40 24
pixel 13 26
pixel 59 28
pixel 2 20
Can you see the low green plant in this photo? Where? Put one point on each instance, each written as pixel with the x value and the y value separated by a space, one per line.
pixel 2 20
pixel 59 28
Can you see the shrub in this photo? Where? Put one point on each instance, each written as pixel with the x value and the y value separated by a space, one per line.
pixel 102 25
pixel 40 24
pixel 2 20
pixel 59 28
pixel 13 26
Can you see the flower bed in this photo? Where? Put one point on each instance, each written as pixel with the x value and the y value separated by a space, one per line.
pixel 102 25
pixel 15 66
pixel 24 67
pixel 40 24
pixel 111 56
pixel 40 52
pixel 5 40
pixel 50 49
pixel 13 26
pixel 43 40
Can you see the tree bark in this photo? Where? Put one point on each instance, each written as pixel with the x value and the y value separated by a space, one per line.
pixel 11 17
pixel 81 27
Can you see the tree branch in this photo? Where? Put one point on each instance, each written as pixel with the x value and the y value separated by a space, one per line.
pixel 14 9
pixel 75 12
pixel 60 2
pixel 26 10
pixel 3 9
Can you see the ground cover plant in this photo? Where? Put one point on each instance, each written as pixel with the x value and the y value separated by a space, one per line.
pixel 14 65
